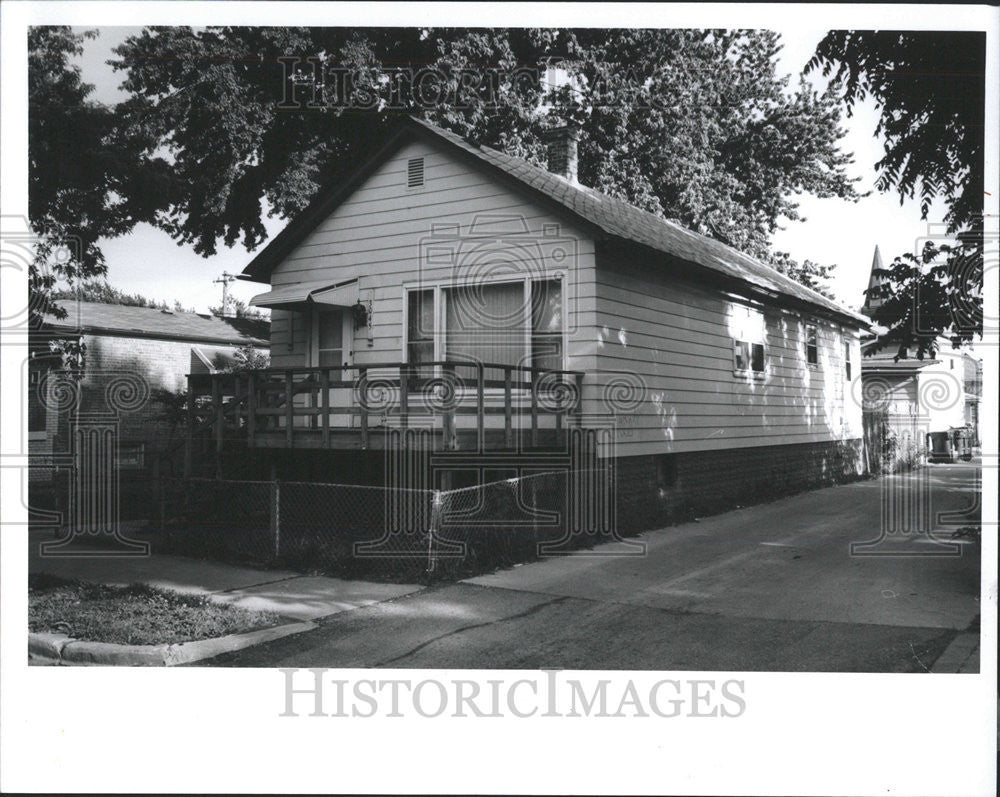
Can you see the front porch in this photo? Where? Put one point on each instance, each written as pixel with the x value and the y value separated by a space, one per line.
pixel 441 406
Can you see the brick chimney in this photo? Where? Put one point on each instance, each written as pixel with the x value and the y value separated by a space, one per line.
pixel 562 145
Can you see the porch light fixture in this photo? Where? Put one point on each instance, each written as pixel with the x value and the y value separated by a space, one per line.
pixel 361 314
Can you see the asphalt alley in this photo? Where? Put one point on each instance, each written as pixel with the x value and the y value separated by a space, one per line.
pixel 769 587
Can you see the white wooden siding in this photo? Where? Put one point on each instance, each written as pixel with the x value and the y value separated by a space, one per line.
pixel 676 338
pixel 673 338
pixel 377 236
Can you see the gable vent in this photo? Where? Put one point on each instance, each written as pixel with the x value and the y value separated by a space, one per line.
pixel 414 172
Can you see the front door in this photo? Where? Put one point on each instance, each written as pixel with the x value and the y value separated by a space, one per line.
pixel 333 341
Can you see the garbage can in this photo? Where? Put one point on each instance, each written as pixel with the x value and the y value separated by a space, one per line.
pixel 962 443
pixel 939 447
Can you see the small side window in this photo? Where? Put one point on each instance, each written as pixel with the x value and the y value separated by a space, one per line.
pixel 748 356
pixel 847 360
pixel 741 355
pixel 812 351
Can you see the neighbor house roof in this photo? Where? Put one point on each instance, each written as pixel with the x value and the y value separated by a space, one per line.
pixel 599 212
pixel 873 365
pixel 151 322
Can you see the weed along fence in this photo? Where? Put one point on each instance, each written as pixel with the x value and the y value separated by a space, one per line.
pixel 360 531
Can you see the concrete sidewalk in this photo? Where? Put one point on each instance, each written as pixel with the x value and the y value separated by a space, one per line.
pixel 289 594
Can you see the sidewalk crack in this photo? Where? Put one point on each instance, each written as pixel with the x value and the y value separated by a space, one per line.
pixel 463 629
pixel 254 586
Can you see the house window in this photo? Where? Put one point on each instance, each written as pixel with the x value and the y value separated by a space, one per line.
pixel 748 356
pixel 847 360
pixel 414 172
pixel 812 352
pixel 546 324
pixel 749 332
pixel 420 329
pixel 485 323
pixel 741 355
pixel 502 323
pixel 330 337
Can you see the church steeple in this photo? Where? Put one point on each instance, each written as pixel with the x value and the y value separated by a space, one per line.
pixel 874 297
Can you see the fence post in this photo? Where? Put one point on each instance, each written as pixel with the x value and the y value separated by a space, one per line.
pixel 275 512
pixel 435 526
pixel 189 431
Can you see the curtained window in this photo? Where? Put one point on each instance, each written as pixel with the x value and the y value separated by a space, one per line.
pixel 485 323
pixel 505 323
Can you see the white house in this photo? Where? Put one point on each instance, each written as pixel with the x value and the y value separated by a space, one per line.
pixel 940 393
pixel 501 308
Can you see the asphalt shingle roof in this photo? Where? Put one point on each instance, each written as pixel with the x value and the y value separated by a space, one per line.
pixel 151 321
pixel 627 222
pixel 610 216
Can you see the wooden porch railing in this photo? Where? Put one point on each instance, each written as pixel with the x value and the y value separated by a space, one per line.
pixel 286 406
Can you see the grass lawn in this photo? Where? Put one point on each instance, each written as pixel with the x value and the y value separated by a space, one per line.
pixel 132 615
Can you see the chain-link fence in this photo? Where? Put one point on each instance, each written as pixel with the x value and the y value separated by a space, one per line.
pixel 516 520
pixel 54 502
pixel 358 531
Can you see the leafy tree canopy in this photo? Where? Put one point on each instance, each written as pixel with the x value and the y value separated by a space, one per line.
pixel 693 125
pixel 930 89
pixel 92 173
pixel 105 293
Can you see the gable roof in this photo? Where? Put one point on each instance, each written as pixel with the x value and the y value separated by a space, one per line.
pixel 151 322
pixel 600 213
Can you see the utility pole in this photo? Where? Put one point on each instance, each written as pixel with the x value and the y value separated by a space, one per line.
pixel 225 279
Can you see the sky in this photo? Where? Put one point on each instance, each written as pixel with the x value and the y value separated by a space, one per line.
pixel 834 231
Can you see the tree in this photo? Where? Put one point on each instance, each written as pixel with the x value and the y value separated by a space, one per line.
pixel 239 309
pixel 248 358
pixel 691 125
pixel 91 173
pixel 105 293
pixel 808 272
pixel 930 89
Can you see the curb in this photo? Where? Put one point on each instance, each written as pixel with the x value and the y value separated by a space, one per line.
pixel 61 649
pixel 961 656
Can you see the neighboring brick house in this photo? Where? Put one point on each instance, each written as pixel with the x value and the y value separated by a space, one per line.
pixel 130 354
